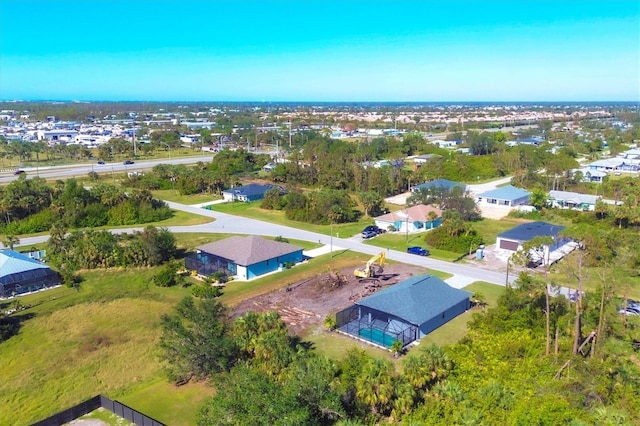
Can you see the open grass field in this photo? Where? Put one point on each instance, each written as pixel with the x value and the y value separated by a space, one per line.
pixel 174 196
pixel 102 339
pixel 77 344
pixel 253 211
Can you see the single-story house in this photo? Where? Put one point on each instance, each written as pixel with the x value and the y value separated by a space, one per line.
pixel 243 257
pixel 573 200
pixel 513 239
pixel 439 183
pixel 589 175
pixel 247 193
pixel 419 160
pixel 411 219
pixel 21 274
pixel 508 196
pixel 405 312
pixel 606 164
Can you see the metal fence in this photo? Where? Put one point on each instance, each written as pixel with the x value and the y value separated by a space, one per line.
pixel 94 403
pixel 374 326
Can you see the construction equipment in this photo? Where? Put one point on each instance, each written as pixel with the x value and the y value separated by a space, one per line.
pixel 371 270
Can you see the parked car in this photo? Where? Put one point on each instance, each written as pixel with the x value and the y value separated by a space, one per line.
pixel 372 228
pixel 18 172
pixel 418 250
pixel 627 311
pixel 100 162
pixel 369 234
pixel 128 162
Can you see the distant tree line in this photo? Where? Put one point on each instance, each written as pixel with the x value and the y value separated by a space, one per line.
pixel 30 205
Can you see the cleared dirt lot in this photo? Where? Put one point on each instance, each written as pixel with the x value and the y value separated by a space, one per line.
pixel 306 303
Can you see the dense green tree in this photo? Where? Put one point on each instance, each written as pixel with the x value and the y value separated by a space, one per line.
pixel 195 343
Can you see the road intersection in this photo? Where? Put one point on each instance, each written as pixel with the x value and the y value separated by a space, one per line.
pixel 226 223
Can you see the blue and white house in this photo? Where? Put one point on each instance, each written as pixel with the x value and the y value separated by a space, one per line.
pixel 20 274
pixel 404 312
pixel 573 200
pixel 243 257
pixel 413 219
pixel 505 196
pixel 248 193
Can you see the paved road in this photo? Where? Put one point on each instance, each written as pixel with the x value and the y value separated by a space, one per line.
pixel 63 172
pixel 226 223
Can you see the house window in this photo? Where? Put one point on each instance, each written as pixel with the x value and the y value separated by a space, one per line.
pixel 443 315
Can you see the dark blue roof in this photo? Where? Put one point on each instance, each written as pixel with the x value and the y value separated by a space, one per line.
pixel 249 190
pixel 417 299
pixel 528 231
pixel 440 183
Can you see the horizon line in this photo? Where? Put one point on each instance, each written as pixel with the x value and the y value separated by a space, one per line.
pixel 323 101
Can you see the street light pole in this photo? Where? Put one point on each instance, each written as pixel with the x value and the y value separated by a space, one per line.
pixel 331 241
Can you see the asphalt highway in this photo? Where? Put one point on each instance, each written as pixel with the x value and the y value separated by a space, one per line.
pixel 64 172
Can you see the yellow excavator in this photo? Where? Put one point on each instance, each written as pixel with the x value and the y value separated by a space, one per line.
pixel 370 270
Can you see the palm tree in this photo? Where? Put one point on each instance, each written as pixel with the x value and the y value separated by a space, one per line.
pixel 375 385
pixel 10 241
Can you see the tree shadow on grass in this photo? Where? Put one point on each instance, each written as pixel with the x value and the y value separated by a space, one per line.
pixel 10 324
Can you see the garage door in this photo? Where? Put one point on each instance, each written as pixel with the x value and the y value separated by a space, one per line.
pixel 509 245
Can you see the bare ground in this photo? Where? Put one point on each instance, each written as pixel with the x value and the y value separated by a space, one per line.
pixel 306 303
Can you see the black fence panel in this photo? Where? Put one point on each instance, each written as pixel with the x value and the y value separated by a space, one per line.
pixel 94 403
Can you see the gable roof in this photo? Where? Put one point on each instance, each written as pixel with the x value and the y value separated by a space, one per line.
pixel 508 192
pixel 12 262
pixel 417 213
pixel 574 197
pixel 249 190
pixel 417 299
pixel 528 231
pixel 245 251
pixel 440 183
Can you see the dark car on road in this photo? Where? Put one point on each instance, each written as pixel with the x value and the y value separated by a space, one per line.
pixel 418 250
pixel 100 162
pixel 369 234
pixel 128 162
pixel 374 229
pixel 18 172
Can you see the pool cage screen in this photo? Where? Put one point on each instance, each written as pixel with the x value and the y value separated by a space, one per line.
pixel 28 281
pixel 379 328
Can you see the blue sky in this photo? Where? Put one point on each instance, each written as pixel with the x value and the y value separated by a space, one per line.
pixel 307 50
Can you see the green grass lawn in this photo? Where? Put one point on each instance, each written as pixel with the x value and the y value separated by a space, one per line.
pixel 491 228
pixel 253 211
pixel 174 196
pixel 100 340
pixel 154 398
pixel 400 242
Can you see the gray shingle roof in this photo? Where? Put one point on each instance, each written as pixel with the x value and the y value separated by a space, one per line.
pixel 249 190
pixel 417 299
pixel 528 231
pixel 440 183
pixel 12 262
pixel 245 251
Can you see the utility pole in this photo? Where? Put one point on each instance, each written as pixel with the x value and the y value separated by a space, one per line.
pixel 289 133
